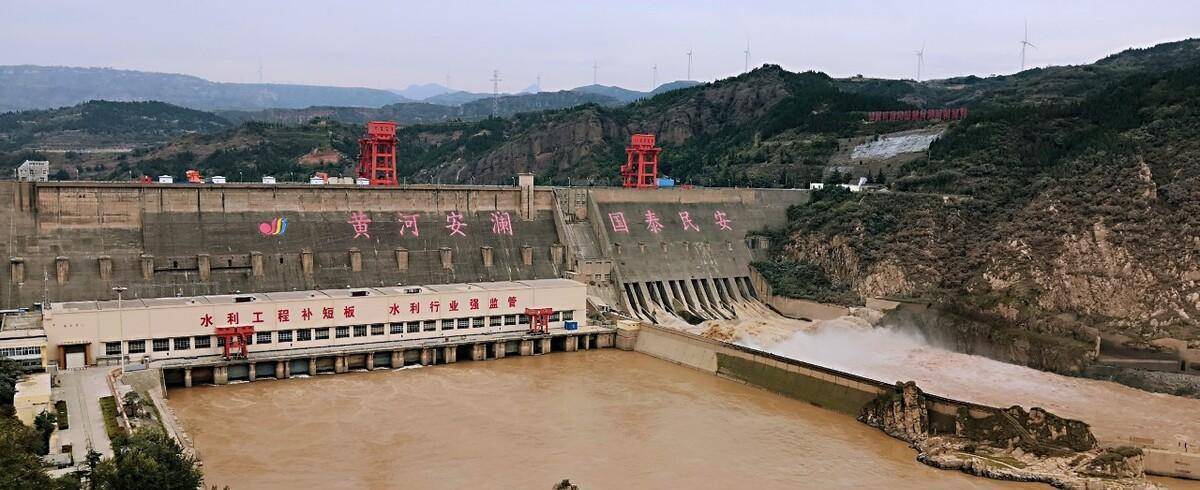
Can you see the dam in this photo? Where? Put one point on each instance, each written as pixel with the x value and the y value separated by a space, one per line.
pixel 211 284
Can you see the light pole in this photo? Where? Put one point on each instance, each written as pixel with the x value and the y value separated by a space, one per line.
pixel 121 322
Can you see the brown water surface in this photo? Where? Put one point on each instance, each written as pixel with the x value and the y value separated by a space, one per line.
pixel 604 419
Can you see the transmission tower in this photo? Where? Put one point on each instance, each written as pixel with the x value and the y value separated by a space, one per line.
pixel 495 92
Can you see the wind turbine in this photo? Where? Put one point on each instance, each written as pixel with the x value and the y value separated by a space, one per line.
pixel 920 61
pixel 747 52
pixel 689 55
pixel 1025 42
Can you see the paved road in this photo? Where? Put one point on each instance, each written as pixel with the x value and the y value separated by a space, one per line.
pixel 82 390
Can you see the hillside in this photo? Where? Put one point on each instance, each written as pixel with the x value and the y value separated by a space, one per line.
pixel 102 124
pixel 1071 214
pixel 426 112
pixel 26 87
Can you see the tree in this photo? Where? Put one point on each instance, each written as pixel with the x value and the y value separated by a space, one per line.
pixel 44 425
pixel 147 459
pixel 132 403
pixel 10 372
pixel 20 468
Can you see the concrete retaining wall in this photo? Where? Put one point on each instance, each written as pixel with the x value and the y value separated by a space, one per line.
pixel 835 390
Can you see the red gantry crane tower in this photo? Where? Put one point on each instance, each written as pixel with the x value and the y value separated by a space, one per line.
pixel 641 164
pixel 377 153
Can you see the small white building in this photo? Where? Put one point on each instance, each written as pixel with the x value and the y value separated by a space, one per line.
pixel 34 171
pixel 363 181
pixel 218 179
pixel 267 179
pixel 166 179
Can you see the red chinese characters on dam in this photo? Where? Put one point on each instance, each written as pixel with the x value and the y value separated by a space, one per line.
pixel 654 223
pixel 284 315
pixel 360 222
pixel 408 224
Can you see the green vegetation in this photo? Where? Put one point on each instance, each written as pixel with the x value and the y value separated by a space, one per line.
pixel 108 406
pixel 985 220
pixel 147 459
pixel 62 418
pixel 801 279
pixel 103 123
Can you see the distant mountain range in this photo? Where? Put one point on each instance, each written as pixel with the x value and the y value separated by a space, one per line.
pixel 27 87
pixel 31 87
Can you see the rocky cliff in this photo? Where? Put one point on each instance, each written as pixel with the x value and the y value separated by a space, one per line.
pixel 1048 220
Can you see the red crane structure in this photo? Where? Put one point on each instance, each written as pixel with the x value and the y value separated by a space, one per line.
pixel 235 339
pixel 641 164
pixel 377 153
pixel 539 320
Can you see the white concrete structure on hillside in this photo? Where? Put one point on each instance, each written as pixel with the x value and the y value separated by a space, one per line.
pixel 34 171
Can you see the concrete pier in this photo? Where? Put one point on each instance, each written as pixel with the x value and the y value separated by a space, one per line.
pixel 187 377
pixel 221 375
pixel 450 354
pixel 397 359
pixel 546 345
pixel 499 347
pixel 339 364
pixel 426 356
pixel 253 371
pixel 312 366
pixel 571 344
pixel 527 347
pixel 370 361
pixel 282 370
pixel 479 352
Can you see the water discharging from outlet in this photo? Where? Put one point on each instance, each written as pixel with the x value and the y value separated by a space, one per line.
pixel 604 419
pixel 1114 411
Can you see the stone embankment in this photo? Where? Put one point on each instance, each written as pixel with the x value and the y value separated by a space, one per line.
pixel 1006 444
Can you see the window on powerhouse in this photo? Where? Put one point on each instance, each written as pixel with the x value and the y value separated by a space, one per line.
pixel 137 346
pixel 284 335
pixel 396 328
pixel 203 342
pixel 414 327
pixel 322 333
pixel 495 321
pixel 304 335
pixel 430 325
pixel 264 337
pixel 30 351
pixel 342 332
pixel 183 343
pixel 464 322
pixel 447 324
pixel 360 330
pixel 477 322
pixel 161 345
pixel 377 329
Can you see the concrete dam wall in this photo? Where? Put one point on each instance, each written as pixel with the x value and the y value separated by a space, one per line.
pixel 687 252
pixel 76 241
pixel 645 250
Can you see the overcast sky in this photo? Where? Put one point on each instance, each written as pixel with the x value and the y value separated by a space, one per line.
pixel 386 44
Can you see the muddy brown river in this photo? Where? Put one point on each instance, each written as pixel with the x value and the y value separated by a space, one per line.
pixel 604 419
